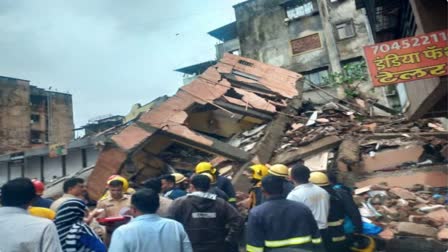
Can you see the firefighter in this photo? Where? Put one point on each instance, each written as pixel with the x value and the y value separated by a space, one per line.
pixel 282 171
pixel 281 225
pixel 211 223
pixel 213 187
pixel 222 183
pixel 256 174
pixel 353 220
pixel 335 239
pixel 39 187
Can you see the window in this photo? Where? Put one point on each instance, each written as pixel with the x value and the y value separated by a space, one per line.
pixel 317 78
pixel 345 30
pixel 302 8
pixel 35 118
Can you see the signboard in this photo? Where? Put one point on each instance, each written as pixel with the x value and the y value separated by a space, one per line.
pixel 414 58
pixel 306 43
pixel 56 150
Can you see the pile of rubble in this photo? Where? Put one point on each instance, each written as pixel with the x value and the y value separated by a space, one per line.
pixel 335 137
pixel 417 211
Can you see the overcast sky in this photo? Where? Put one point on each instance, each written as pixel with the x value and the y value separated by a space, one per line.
pixel 109 54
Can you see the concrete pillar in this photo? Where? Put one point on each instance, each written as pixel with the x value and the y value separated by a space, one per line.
pixel 330 42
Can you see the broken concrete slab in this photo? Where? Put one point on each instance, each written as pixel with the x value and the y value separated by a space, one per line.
pixel 402 193
pixel 390 159
pixel 109 162
pixel 409 228
pixel 439 215
pixel 317 162
pixel 436 176
pixel 323 144
pixel 443 234
pixel 348 155
pixel 131 137
pixel 387 234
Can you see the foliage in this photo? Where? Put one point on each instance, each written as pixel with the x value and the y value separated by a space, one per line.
pixel 349 79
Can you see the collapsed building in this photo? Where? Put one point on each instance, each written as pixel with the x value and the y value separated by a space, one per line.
pixel 241 111
pixel 196 123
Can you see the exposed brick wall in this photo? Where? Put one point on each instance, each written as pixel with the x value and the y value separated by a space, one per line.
pixel 61 118
pixel 14 114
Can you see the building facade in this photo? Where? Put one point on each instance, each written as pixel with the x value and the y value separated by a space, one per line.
pixel 32 117
pixel 37 163
pixel 396 19
pixel 311 37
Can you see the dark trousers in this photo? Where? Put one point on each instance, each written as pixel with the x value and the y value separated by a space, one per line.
pixel 331 246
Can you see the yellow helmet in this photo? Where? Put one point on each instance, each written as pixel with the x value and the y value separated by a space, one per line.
pixel 319 178
pixel 210 176
pixel 120 178
pixel 279 170
pixel 178 177
pixel 205 167
pixel 259 171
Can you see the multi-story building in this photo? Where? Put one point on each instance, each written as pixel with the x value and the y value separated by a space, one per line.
pixel 396 19
pixel 311 37
pixel 32 117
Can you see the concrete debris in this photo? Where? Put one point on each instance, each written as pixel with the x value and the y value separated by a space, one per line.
pixel 443 234
pixel 318 146
pixel 400 212
pixel 402 193
pixel 409 228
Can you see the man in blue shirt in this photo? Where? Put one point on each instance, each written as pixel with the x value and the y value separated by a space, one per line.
pixel 172 188
pixel 148 231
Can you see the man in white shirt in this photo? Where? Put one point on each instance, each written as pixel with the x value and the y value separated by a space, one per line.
pixel 19 231
pixel 74 188
pixel 313 196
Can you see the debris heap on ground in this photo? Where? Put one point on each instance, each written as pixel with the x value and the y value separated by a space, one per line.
pixel 420 210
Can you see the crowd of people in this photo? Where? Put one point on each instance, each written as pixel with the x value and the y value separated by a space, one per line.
pixel 289 209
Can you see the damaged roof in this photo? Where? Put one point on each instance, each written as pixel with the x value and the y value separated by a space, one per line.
pixel 237 86
pixel 258 86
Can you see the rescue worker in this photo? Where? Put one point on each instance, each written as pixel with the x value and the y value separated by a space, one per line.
pixel 222 182
pixel 211 223
pixel 281 171
pixel 281 225
pixel 127 190
pixel 314 197
pixel 213 188
pixel 335 240
pixel 256 174
pixel 114 205
pixel 353 220
pixel 39 201
pixel 172 185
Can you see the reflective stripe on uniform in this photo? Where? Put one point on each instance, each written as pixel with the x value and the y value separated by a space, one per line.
pixel 316 241
pixel 288 242
pixel 338 239
pixel 250 248
pixel 231 200
pixel 336 223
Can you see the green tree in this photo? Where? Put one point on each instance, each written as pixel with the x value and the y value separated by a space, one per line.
pixel 352 75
